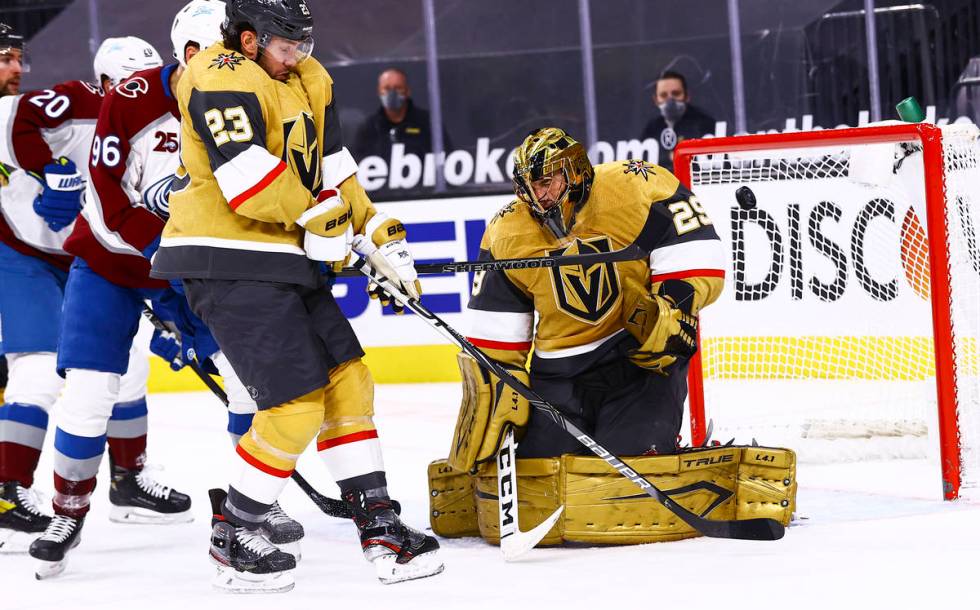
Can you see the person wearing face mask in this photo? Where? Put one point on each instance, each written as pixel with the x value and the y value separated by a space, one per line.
pixel 397 121
pixel 677 120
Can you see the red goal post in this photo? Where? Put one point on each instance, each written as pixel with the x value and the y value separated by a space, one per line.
pixel 750 152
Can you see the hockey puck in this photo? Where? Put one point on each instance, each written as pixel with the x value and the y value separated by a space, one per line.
pixel 745 198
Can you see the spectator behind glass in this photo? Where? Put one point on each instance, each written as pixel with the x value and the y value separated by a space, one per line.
pixel 398 120
pixel 677 120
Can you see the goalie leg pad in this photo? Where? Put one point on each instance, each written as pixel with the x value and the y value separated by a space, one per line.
pixel 539 494
pixel 603 507
pixel 488 407
pixel 767 484
pixel 452 502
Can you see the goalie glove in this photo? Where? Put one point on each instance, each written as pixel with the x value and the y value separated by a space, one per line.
pixel 395 263
pixel 328 229
pixel 665 332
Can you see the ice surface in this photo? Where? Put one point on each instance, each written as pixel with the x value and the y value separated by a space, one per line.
pixel 874 535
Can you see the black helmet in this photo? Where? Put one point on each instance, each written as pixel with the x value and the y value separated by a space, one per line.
pixel 9 39
pixel 289 19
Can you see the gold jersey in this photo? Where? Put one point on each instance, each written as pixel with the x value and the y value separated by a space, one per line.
pixel 580 307
pixel 255 152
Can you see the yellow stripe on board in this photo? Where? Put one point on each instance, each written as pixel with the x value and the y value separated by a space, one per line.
pixel 811 357
pixel 406 364
pixel 413 363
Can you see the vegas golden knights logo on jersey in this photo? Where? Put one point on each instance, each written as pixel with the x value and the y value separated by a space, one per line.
pixel 301 149
pixel 587 293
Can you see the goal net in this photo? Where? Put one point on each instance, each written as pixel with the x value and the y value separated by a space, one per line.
pixel 848 325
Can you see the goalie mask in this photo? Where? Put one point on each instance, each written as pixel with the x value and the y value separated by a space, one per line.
pixel 552 174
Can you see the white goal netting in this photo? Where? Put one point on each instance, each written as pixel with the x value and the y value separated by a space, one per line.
pixel 824 339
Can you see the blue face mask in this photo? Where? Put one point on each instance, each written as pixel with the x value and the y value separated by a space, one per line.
pixel 393 100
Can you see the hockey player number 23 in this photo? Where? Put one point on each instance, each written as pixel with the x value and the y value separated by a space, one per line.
pixel 240 131
pixel 688 215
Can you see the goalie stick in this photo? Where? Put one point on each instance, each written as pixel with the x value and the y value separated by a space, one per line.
pixel 514 542
pixel 748 529
pixel 631 252
pixel 330 506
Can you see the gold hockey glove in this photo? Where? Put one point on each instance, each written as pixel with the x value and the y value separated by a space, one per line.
pixel 489 406
pixel 328 229
pixel 388 236
pixel 665 332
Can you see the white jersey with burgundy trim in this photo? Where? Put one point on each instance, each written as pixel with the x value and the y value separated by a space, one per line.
pixel 36 127
pixel 135 153
pixel 580 307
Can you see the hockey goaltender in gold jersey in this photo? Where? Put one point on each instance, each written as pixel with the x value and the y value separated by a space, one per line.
pixel 611 348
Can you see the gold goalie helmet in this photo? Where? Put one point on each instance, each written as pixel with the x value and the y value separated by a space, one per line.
pixel 551 153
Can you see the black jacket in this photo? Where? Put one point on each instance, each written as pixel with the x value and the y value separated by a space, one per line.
pixel 376 135
pixel 694 124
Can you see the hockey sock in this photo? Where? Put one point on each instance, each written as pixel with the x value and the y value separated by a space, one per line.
pixel 238 424
pixel 354 460
pixel 127 434
pixel 373 485
pixel 76 462
pixel 22 430
pixel 244 511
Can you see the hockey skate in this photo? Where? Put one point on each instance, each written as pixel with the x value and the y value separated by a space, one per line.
pixel 137 498
pixel 21 519
pixel 283 531
pixel 247 562
pixel 397 551
pixel 51 549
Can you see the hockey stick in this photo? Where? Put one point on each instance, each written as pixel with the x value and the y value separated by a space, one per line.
pixel 749 529
pixel 629 253
pixel 514 542
pixel 330 506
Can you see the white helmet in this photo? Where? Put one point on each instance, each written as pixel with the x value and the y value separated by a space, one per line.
pixel 200 23
pixel 118 58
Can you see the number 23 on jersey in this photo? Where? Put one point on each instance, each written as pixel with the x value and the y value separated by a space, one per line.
pixel 229 125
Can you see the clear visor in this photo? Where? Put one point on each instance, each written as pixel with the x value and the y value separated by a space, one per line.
pixel 286 51
pixel 12 55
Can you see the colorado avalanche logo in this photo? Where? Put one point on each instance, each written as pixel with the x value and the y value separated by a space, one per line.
pixel 227 60
pixel 156 197
pixel 133 87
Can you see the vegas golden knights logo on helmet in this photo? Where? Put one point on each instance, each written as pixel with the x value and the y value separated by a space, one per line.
pixel 301 150
pixel 586 292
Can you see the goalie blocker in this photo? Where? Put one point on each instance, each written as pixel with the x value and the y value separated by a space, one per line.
pixel 602 507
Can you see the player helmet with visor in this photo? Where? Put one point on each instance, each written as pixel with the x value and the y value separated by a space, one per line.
pixel 284 27
pixel 12 45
